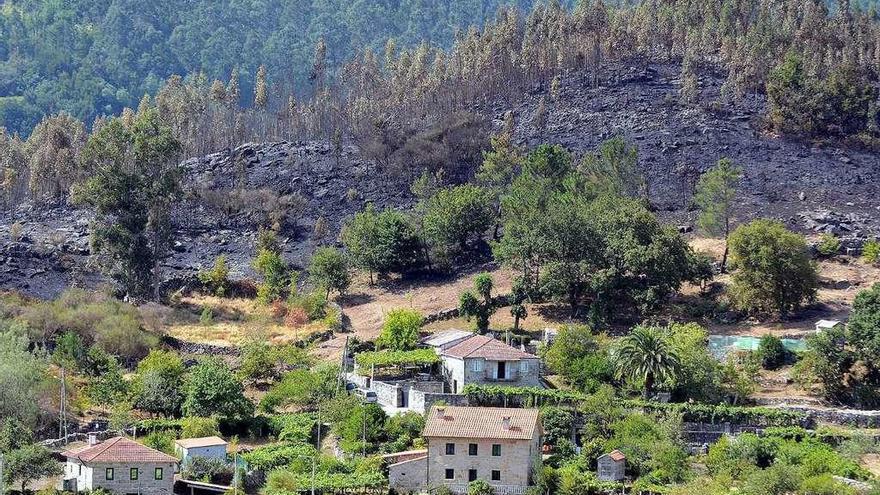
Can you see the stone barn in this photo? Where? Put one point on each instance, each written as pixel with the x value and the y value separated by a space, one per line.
pixel 612 466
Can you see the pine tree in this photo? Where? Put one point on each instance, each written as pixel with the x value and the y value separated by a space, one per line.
pixel 261 91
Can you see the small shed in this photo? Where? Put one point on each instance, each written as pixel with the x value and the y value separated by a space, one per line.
pixel 823 325
pixel 612 466
pixel 208 447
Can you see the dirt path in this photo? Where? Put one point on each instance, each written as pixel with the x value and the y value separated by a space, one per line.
pixel 366 306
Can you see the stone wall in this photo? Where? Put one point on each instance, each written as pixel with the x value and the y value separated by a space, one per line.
pixel 422 401
pixel 408 476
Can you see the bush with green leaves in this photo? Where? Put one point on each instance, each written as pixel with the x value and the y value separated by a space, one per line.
pixel 871 252
pixel 774 273
pixel 771 352
pixel 580 357
pixel 196 427
pixel 480 487
pixel 158 385
pixel 400 331
pixel 216 279
pixel 828 245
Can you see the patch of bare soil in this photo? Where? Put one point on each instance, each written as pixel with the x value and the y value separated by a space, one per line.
pixel 366 306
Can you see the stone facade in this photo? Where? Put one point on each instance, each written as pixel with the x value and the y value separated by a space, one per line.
pixel 513 468
pixel 90 476
pixel 463 371
pixel 610 469
pixel 408 476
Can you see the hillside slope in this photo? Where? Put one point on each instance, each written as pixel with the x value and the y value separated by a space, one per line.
pixel 786 179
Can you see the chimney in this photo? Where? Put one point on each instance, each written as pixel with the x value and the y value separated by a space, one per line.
pixel 441 412
pixel 93 439
pixel 505 423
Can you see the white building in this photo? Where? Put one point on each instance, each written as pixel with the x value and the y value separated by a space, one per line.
pixel 823 325
pixel 121 466
pixel 480 359
pixel 207 447
pixel 611 466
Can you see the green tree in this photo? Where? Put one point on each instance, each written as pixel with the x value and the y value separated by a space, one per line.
pixel 195 427
pixel 14 435
pixel 21 376
pixel 364 420
pixel 457 216
pixel 382 241
pixel 773 268
pixel 212 389
pixel 613 169
pixel 258 361
pixel 28 464
pixel 158 386
pixel 400 332
pixel 109 387
pixel 771 352
pixel 715 195
pixel 645 355
pixel 480 487
pixel 580 357
pixel 328 269
pixel 864 324
pixel 498 169
pixel 134 180
pixel 478 303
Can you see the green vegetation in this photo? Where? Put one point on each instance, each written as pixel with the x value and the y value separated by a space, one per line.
pixel 871 252
pixel 134 178
pixel 478 304
pixel 774 272
pixel 216 280
pixel 715 195
pixel 212 389
pixel 645 356
pixel 328 270
pixel 828 245
pixel 400 331
pixel 382 242
pixel 397 359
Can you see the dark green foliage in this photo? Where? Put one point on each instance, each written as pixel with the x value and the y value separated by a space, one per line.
pixel 28 464
pixel 274 271
pixel 209 470
pixel 158 386
pixel 646 356
pixel 840 104
pixel 216 280
pixel 558 424
pixel 212 389
pixel 774 272
pixel 846 358
pixel 580 357
pixel 480 487
pixel 134 180
pixel 130 49
pixel 382 241
pixel 478 304
pixel 328 270
pixel 456 217
pixel 303 388
pixel 771 352
pixel 351 430
pixel 14 435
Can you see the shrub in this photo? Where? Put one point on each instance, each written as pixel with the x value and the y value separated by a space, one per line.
pixel 195 427
pixel 15 231
pixel 480 487
pixel 828 245
pixel 207 316
pixel 216 280
pixel 771 352
pixel 871 252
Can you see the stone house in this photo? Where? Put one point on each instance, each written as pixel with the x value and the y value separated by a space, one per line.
pixel 611 466
pixel 499 445
pixel 208 447
pixel 445 339
pixel 121 466
pixel 483 360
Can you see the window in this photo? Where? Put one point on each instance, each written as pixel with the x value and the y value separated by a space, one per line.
pixel 133 474
pixel 108 474
pixel 523 367
pixel 450 474
pixel 450 449
pixel 496 475
pixel 472 449
pixel 496 450
pixel 158 474
pixel 477 365
pixel 472 474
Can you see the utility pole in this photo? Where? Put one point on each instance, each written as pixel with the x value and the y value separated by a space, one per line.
pixel 62 420
pixel 317 450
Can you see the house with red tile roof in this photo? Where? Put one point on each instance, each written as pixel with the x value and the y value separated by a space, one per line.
pixel 498 445
pixel 121 466
pixel 481 359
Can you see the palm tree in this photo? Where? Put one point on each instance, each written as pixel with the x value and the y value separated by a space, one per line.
pixel 645 355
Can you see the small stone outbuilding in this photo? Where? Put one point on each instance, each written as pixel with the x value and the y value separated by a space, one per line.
pixel 611 466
